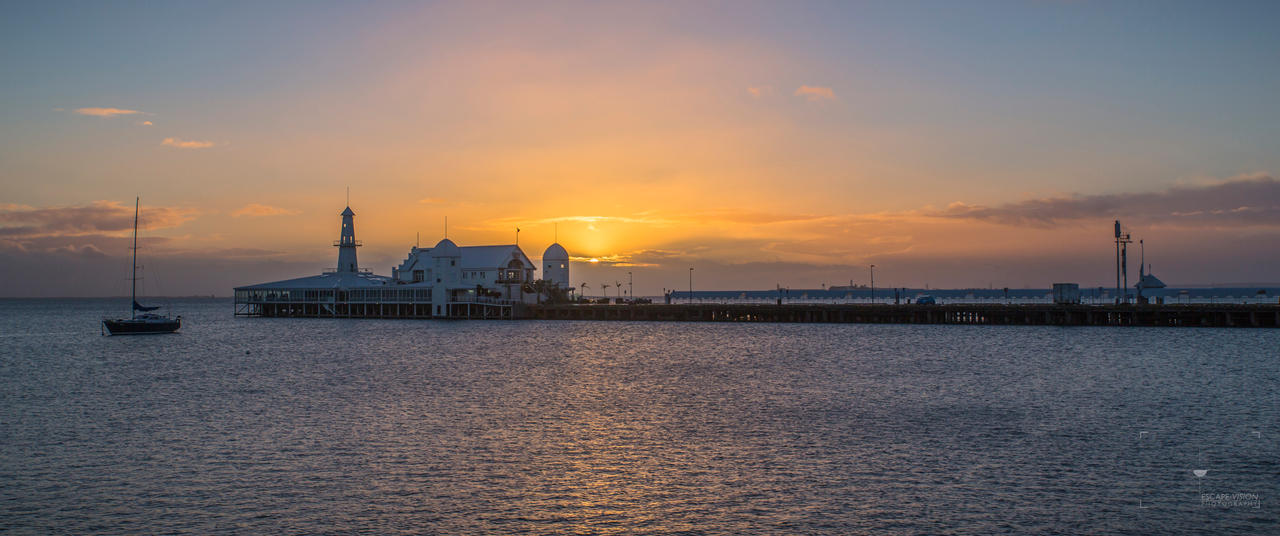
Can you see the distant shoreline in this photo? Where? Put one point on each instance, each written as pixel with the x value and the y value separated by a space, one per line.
pixel 196 297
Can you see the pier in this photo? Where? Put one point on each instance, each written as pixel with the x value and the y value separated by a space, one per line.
pixel 1192 315
pixel 408 304
pixel 378 303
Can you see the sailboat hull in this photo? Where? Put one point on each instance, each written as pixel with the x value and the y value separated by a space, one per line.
pixel 139 326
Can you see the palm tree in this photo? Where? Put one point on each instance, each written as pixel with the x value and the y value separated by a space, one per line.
pixel 619 285
pixel 604 288
pixel 540 286
pixel 584 290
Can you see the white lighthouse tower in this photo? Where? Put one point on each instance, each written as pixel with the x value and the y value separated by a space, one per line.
pixel 555 265
pixel 347 244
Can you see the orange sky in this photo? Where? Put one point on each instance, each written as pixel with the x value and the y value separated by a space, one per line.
pixel 768 146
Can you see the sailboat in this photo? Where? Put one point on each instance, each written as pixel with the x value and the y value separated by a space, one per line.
pixel 147 322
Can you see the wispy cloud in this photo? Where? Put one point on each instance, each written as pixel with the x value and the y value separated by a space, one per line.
pixel 1248 200
pixel 256 209
pixel 244 252
pixel 760 91
pixel 620 260
pixel 106 112
pixel 20 222
pixel 186 144
pixel 815 93
pixel 640 219
pixel 84 250
pixel 145 123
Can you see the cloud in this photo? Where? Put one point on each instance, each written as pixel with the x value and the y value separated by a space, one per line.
pixel 86 250
pixel 106 112
pixel 186 144
pixel 1245 200
pixel 815 93
pixel 620 260
pixel 755 217
pixel 255 209
pixel 244 252
pixel 761 91
pixel 145 123
pixel 639 219
pixel 98 217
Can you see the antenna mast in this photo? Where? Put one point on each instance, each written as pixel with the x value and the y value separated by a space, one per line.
pixel 133 288
pixel 1122 264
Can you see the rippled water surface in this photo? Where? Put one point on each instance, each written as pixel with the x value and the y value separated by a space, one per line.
pixel 337 426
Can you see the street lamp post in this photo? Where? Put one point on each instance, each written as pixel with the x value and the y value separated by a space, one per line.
pixel 631 286
pixel 690 284
pixel 873 283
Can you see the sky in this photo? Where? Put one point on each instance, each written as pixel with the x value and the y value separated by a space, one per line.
pixel 950 144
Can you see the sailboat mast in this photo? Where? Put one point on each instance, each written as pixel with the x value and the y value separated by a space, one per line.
pixel 133 289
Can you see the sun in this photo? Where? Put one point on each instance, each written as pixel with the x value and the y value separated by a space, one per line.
pixel 594 260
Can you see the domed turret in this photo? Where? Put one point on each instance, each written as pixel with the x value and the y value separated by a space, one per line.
pixel 555 265
pixel 446 248
pixel 555 252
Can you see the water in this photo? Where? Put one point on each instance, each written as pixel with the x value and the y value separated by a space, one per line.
pixel 339 426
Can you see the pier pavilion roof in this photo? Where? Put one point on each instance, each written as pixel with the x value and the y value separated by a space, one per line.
pixel 491 256
pixel 327 280
pixel 474 257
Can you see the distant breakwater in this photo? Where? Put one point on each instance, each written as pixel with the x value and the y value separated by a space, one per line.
pixel 1178 315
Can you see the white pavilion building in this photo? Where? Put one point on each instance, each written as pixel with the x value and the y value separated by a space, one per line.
pixel 446 281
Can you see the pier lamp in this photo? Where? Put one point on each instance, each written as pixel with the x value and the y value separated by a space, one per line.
pixel 873 283
pixel 690 284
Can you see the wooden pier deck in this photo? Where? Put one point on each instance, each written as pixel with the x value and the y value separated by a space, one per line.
pixel 1188 315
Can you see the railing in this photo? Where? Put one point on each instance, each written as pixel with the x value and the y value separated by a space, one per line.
pixel 494 301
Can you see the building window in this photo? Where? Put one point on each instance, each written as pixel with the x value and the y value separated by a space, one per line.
pixel 452 263
pixel 418 276
pixel 562 265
